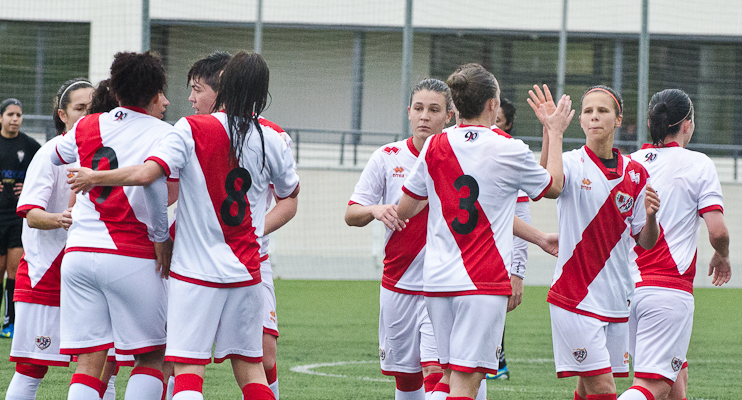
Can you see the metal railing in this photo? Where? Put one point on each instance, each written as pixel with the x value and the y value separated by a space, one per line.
pixel 354 138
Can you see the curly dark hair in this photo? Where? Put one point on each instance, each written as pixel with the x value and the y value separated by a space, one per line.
pixel 136 78
pixel 103 98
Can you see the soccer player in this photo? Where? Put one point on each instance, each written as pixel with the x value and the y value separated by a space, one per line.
pixel 44 203
pixel 470 224
pixel 203 79
pixel 16 151
pixel 662 307
pixel 228 160
pixel 113 294
pixel 406 342
pixel 604 209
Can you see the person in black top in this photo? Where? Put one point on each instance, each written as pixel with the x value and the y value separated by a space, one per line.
pixel 16 151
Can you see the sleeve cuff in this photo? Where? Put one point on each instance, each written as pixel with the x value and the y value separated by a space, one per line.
pixel 413 195
pixel 523 199
pixel 159 161
pixel 715 207
pixel 22 210
pixel 551 180
pixel 292 192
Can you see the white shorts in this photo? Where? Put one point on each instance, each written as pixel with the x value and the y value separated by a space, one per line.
pixel 660 326
pixel 406 340
pixel 200 316
pixel 110 300
pixel 36 337
pixel 587 346
pixel 270 320
pixel 468 331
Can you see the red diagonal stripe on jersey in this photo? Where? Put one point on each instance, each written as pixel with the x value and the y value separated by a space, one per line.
pixel 46 290
pixel 402 248
pixel 127 232
pixel 591 253
pixel 479 253
pixel 658 268
pixel 212 151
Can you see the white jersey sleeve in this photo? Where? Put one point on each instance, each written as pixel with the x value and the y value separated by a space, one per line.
pixel 371 186
pixel 415 185
pixel 520 246
pixel 709 188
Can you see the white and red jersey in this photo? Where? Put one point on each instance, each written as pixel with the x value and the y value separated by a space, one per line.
pixel 45 188
pixel 115 219
pixel 222 206
pixel 599 211
pixel 471 176
pixel 688 186
pixel 404 251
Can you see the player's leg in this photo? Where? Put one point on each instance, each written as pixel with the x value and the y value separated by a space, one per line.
pixel 440 312
pixel 110 371
pixel 270 336
pixel 13 258
pixel 25 381
pixel 432 370
pixel 679 389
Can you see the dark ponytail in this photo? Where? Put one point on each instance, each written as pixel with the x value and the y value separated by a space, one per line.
pixel 667 110
pixel 104 100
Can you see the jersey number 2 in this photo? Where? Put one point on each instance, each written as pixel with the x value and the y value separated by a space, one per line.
pixel 113 163
pixel 467 204
pixel 235 196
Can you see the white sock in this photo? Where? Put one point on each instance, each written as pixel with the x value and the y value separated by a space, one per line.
pixel 170 387
pixel 418 394
pixel 110 389
pixel 438 395
pixel 78 391
pixel 482 393
pixel 632 394
pixel 274 388
pixel 428 395
pixel 143 387
pixel 188 395
pixel 22 387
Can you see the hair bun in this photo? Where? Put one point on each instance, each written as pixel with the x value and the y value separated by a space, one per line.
pixel 660 107
pixel 457 81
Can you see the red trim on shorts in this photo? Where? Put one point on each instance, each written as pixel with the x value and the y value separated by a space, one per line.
pixel 413 195
pixel 593 315
pixel 644 391
pixel 184 382
pixel 141 350
pixel 33 371
pixel 470 370
pixel 161 163
pixel 22 210
pixel 214 284
pixel 271 332
pixel 431 381
pixel 430 364
pixel 397 373
pixel 85 350
pixel 271 375
pixel 647 375
pixel 148 371
pixel 442 387
pixel 715 207
pixel 387 284
pixel 257 391
pixel 88 381
pixel 685 365
pixel 253 360
pixel 186 360
pixel 551 181
pixel 522 199
pixel 620 374
pixel 129 363
pixel 36 361
pixel 595 372
pixel 444 366
pixel 128 252
pixel 605 396
pixel 459 398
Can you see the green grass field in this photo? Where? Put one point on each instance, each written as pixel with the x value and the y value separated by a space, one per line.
pixel 328 349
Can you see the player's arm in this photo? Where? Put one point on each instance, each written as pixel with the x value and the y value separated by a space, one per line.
pixel 409 207
pixel 85 179
pixel 282 212
pixel 358 215
pixel 40 219
pixel 549 242
pixel 647 237
pixel 720 266
pixel 172 191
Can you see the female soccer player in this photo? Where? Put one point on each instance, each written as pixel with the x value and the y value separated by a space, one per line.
pixel 226 159
pixel 470 224
pixel 44 203
pixel 605 208
pixel 662 307
pixel 406 342
pixel 112 291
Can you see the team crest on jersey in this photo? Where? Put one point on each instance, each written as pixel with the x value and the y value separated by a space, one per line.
pixel 586 184
pixel 676 364
pixel 649 157
pixel 382 354
pixel 398 172
pixel 624 202
pixel 43 342
pixel 391 150
pixel 120 115
pixel 471 136
pixel 579 354
pixel 21 155
pixel 498 352
pixel 634 177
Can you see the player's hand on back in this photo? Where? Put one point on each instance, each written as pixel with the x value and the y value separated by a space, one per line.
pixel 387 213
pixel 651 201
pixel 80 179
pixel 164 253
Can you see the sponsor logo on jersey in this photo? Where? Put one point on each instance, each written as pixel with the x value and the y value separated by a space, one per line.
pixel 21 155
pixel 398 172
pixel 676 364
pixel 391 150
pixel 273 316
pixel 626 358
pixel 43 342
pixel 579 354
pixel 649 157
pixel 471 136
pixel 120 115
pixel 634 176
pixel 382 354
pixel 586 184
pixel 624 202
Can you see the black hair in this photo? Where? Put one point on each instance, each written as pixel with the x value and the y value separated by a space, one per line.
pixel 508 111
pixel 208 68
pixel 62 100
pixel 243 94
pixel 667 109
pixel 103 98
pixel 471 87
pixel 136 78
pixel 617 99
pixel 9 102
pixel 434 85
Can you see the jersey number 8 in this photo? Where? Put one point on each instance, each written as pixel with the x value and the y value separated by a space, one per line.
pixel 235 196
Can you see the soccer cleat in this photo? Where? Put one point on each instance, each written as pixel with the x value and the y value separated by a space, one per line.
pixel 7 332
pixel 503 373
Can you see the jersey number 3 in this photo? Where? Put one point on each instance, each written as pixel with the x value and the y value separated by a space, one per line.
pixel 113 163
pixel 235 196
pixel 467 204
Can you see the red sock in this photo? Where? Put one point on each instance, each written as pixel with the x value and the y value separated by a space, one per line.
pixel 607 396
pixel 644 391
pixel 431 380
pixel 578 397
pixel 459 398
pixel 34 371
pixel 185 382
pixel 409 382
pixel 89 381
pixel 442 387
pixel 257 391
pixel 271 374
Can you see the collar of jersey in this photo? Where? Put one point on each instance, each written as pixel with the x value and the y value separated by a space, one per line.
pixel 608 174
pixel 652 146
pixel 411 146
pixel 137 109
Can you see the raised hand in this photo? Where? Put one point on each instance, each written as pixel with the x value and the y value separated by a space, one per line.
pixel 539 98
